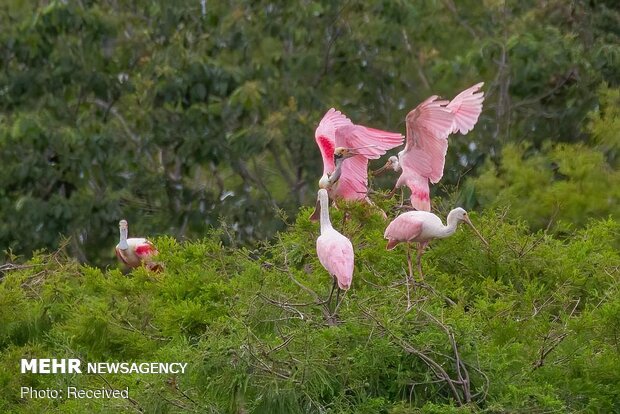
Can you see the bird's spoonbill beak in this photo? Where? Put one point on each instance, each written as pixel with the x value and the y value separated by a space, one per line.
pixel 316 215
pixel 387 166
pixel 344 152
pixel 468 221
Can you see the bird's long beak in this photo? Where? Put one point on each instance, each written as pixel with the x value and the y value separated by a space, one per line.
pixel 316 215
pixel 347 152
pixel 468 221
pixel 381 170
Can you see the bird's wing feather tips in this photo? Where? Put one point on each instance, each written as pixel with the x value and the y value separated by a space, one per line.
pixel 466 107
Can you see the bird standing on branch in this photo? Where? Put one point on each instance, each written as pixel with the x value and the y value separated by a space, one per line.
pixel 334 250
pixel 422 227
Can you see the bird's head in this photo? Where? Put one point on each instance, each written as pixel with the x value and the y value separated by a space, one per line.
pixel 321 195
pixel 324 182
pixel 342 153
pixel 460 215
pixel 391 164
pixel 122 224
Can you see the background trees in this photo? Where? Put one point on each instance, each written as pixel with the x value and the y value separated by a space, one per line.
pixel 176 117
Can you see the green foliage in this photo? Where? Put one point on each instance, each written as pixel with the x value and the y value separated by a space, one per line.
pixel 535 321
pixel 565 183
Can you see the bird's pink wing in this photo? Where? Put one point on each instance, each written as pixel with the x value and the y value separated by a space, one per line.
pixel 428 127
pixel 325 136
pixel 402 229
pixel 466 107
pixel 145 250
pixel 336 255
pixel 370 142
pixel 353 182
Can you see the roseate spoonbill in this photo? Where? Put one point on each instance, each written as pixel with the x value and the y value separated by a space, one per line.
pixel 422 227
pixel 135 251
pixel 335 251
pixel 340 139
pixel 428 127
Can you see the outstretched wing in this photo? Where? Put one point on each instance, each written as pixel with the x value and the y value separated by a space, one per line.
pixel 466 107
pixel 428 127
pixel 325 136
pixel 371 144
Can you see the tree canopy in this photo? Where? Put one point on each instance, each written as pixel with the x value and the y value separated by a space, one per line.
pixel 178 118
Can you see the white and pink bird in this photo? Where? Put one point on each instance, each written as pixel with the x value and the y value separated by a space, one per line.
pixel 334 250
pixel 135 251
pixel 346 149
pixel 428 127
pixel 422 227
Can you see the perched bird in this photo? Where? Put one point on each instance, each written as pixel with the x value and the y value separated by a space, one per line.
pixel 335 251
pixel 135 251
pixel 428 127
pixel 422 227
pixel 346 149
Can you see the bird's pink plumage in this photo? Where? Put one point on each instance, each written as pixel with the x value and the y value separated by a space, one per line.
pixel 336 255
pixel 466 107
pixel 336 130
pixel 403 228
pixel 428 127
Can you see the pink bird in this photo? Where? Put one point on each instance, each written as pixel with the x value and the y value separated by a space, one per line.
pixel 135 251
pixel 345 166
pixel 335 251
pixel 422 227
pixel 428 127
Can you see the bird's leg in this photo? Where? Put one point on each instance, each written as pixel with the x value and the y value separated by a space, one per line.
pixel 329 299
pixel 345 216
pixel 337 300
pixel 421 247
pixel 402 197
pixel 409 277
pixel 340 301
pixel 380 194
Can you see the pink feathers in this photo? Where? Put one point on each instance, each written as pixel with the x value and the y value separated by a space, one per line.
pixel 334 250
pixel 428 128
pixel 145 250
pixel 336 130
pixel 466 107
pixel 404 228
pixel 336 255
pixel 136 250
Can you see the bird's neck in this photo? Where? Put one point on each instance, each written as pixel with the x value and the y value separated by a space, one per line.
pixel 337 172
pixel 453 223
pixel 122 244
pixel 326 224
